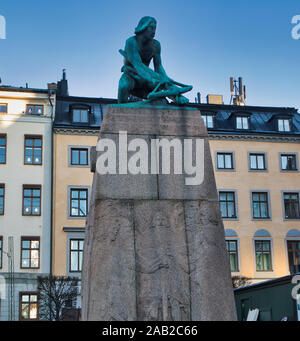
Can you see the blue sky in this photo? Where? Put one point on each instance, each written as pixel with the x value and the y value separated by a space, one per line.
pixel 203 44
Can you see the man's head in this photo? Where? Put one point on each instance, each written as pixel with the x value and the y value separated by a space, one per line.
pixel 146 25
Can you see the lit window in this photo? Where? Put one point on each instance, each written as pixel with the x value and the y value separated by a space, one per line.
pixel 242 122
pixel 30 253
pixel 28 306
pixel 76 252
pixel 33 150
pixel 32 109
pixel 31 200
pixel 263 255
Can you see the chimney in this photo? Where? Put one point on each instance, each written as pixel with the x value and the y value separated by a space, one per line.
pixel 214 99
pixel 52 86
pixel 62 85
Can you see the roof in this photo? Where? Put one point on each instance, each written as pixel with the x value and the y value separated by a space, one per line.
pixel 262 120
pixel 21 89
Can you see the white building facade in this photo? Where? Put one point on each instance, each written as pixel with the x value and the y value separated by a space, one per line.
pixel 26 117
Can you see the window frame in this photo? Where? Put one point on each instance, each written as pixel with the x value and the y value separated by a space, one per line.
pixel 236 241
pixel 289 122
pixel 283 204
pixel 212 115
pixel 268 205
pixel 33 137
pixel 4 113
pixel 291 240
pixel 34 105
pixel 295 154
pixel 30 238
pixel 235 203
pixel 239 116
pixel 225 152
pixel 78 251
pixel 5 137
pixel 264 154
pixel 269 240
pixel 32 187
pixel 82 107
pixel 70 188
pixel 28 293
pixel 70 148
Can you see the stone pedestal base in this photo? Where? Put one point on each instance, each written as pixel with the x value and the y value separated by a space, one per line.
pixel 159 254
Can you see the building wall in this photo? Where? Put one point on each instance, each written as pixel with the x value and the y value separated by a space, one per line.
pixel 14 174
pixel 66 176
pixel 243 181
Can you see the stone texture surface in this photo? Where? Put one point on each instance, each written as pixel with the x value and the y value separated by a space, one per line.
pixel 155 251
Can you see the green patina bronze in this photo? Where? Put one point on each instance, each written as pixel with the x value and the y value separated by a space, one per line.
pixel 138 79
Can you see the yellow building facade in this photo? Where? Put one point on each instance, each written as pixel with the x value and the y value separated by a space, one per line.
pixel 257 176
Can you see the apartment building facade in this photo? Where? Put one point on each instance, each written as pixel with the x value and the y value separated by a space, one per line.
pixel 26 117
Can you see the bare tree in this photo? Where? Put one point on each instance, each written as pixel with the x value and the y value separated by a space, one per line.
pixel 55 294
pixel 240 281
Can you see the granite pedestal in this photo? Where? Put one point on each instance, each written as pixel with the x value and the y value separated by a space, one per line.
pixel 155 247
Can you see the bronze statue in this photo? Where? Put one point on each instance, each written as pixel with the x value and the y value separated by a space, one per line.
pixel 137 78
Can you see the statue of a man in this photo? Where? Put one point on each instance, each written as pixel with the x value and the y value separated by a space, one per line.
pixel 138 79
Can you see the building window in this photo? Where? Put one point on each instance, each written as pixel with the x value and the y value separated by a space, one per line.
pixel 2 149
pixel 291 205
pixel 28 306
pixel 80 115
pixel 263 255
pixel 2 198
pixel 1 251
pixel 260 205
pixel 288 162
pixel 208 120
pixel 33 150
pixel 33 109
pixel 76 252
pixel 31 200
pixel 30 252
pixel 225 161
pixel 227 204
pixel 294 255
pixel 242 122
pixel 3 108
pixel 257 161
pixel 284 125
pixel 79 156
pixel 232 249
pixel 78 202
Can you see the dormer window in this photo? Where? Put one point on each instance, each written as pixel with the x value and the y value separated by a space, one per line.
pixel 242 122
pixel 208 120
pixel 80 115
pixel 284 124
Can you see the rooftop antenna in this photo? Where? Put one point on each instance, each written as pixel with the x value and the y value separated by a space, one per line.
pixel 238 91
